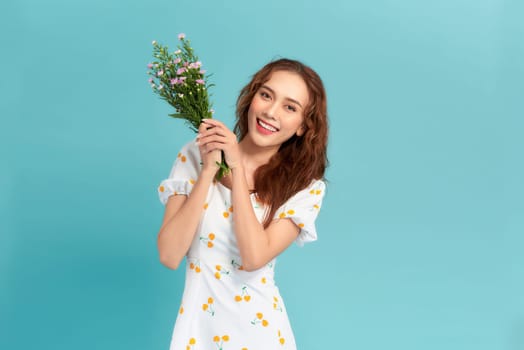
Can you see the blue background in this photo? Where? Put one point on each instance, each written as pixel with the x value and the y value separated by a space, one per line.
pixel 421 233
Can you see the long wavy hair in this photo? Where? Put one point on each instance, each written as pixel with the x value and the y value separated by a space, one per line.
pixel 299 160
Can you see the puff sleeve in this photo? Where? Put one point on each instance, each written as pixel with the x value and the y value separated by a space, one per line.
pixel 303 209
pixel 183 175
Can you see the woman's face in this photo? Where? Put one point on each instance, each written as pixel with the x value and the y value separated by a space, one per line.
pixel 276 112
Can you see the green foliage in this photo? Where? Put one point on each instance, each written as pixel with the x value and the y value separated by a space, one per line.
pixel 178 79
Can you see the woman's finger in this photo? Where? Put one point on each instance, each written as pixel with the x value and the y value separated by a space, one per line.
pixel 215 130
pixel 213 146
pixel 212 121
pixel 218 125
pixel 204 140
pixel 203 127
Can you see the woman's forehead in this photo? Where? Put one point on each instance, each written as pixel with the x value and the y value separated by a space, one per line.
pixel 288 85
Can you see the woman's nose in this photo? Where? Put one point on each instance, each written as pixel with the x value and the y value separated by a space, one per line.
pixel 271 111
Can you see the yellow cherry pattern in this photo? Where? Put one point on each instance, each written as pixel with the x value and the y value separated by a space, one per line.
pixel 259 319
pixel 315 192
pixel 195 266
pixel 284 214
pixel 220 271
pixel 243 296
pixel 162 189
pixel 208 240
pixel 220 340
pixel 227 213
pixel 208 307
pixel 191 343
pixel 236 265
pixel 182 157
pixel 281 339
pixel 276 304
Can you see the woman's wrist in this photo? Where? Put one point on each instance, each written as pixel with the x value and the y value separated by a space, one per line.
pixel 237 169
pixel 208 173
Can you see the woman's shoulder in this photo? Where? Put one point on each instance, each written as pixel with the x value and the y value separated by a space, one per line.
pixel 189 152
pixel 316 186
pixel 314 191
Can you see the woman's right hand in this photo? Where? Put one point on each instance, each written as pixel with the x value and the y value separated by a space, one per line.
pixel 209 158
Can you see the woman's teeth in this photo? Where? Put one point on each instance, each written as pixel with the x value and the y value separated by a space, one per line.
pixel 266 126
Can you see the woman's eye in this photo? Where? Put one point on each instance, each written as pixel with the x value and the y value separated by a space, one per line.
pixel 264 94
pixel 291 108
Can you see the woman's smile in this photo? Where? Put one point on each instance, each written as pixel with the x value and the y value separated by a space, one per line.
pixel 265 128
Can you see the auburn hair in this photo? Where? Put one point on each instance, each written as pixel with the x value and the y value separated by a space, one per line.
pixel 300 159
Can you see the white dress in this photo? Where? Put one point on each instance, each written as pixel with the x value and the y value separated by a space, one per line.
pixel 223 306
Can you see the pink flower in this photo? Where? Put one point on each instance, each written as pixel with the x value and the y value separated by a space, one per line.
pixel 174 81
pixel 180 71
pixel 193 65
pixel 181 36
pixel 177 60
pixel 150 66
pixel 200 81
pixel 160 72
pixel 181 79
pixel 150 80
pixel 202 71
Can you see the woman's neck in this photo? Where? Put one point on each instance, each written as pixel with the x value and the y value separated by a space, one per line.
pixel 254 156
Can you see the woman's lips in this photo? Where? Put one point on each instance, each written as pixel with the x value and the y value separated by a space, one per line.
pixel 265 128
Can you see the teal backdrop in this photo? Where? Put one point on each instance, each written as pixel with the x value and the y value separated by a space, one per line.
pixel 421 232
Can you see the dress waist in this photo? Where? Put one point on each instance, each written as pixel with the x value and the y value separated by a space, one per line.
pixel 221 265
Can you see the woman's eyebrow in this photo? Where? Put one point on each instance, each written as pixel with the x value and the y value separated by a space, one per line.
pixel 287 98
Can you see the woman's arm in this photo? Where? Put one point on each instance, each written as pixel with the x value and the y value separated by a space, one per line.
pixel 181 218
pixel 182 214
pixel 257 245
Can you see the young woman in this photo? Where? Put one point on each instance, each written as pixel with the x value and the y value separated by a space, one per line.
pixel 232 231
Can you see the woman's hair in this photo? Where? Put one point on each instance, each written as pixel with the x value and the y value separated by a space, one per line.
pixel 300 159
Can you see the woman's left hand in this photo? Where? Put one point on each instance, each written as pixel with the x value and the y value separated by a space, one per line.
pixel 218 136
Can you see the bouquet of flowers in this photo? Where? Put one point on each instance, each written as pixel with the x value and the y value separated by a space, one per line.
pixel 179 79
